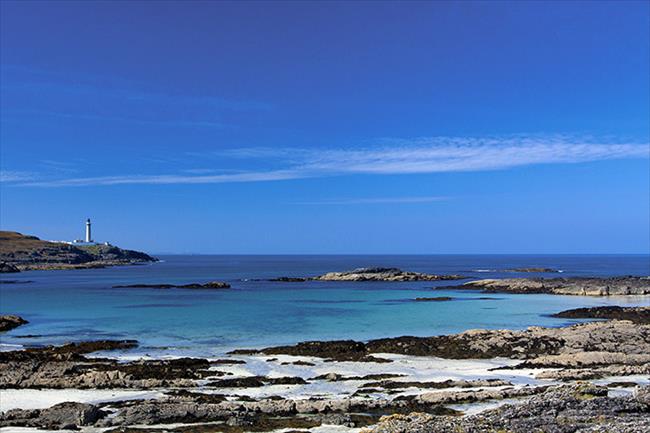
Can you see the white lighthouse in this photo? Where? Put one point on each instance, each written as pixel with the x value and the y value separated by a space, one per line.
pixel 89 238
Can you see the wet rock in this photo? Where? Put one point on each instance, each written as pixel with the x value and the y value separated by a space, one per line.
pixel 338 350
pixel 533 270
pixel 565 286
pixel 437 385
pixel 435 299
pixel 66 367
pixel 8 268
pixel 300 363
pixel 256 382
pixel 569 409
pixel 66 415
pixel 383 274
pixel 9 322
pixel 616 337
pixel 289 279
pixel 208 285
pixel 227 361
pixel 634 314
pixel 335 377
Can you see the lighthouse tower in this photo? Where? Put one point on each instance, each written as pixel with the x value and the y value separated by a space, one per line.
pixel 88 236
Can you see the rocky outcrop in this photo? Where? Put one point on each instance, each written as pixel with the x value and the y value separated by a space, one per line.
pixel 567 409
pixel 289 279
pixel 533 270
pixel 434 299
pixel 7 268
pixel 564 286
pixel 65 366
pixel 563 409
pixel 62 416
pixel 383 274
pixel 581 351
pixel 208 285
pixel 9 322
pixel 612 337
pixel 633 314
pixel 30 253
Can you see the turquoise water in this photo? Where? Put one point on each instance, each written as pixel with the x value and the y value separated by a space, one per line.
pixel 80 305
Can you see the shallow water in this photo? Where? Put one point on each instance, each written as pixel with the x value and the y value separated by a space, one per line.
pixel 80 304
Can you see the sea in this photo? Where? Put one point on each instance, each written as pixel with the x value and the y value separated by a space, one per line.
pixel 80 305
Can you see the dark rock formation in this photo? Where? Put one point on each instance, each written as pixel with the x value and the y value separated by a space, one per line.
pixel 208 285
pixel 533 270
pixel 289 279
pixel 7 268
pixel 435 299
pixel 568 409
pixel 66 415
pixel 612 342
pixel 66 367
pixel 383 274
pixel 9 322
pixel 634 314
pixel 564 286
pixel 256 382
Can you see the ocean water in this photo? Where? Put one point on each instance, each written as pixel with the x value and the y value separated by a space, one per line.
pixel 82 305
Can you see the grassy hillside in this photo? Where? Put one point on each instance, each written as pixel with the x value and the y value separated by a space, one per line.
pixel 29 252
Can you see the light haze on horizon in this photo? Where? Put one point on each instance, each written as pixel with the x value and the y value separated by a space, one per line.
pixel 328 127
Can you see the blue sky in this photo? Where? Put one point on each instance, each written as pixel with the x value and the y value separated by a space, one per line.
pixel 333 127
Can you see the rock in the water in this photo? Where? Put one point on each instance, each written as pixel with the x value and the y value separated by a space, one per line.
pixel 618 337
pixel 565 286
pixel 383 274
pixel 7 268
pixel 634 314
pixel 9 322
pixel 289 279
pixel 208 285
pixel 435 299
pixel 533 270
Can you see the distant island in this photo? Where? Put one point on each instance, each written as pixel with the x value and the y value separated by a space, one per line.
pixel 372 274
pixel 20 252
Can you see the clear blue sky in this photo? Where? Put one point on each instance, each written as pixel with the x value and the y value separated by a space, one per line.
pixel 333 127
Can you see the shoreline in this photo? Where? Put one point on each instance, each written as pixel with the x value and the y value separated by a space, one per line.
pixel 333 382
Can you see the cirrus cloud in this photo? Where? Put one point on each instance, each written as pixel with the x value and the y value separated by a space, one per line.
pixel 395 156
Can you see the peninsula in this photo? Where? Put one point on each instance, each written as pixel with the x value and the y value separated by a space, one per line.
pixel 19 252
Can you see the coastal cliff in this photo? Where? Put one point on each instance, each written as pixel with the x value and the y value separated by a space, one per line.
pixel 20 252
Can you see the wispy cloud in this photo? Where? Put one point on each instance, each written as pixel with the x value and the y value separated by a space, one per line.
pixel 375 200
pixel 421 155
pixel 8 176
pixel 31 93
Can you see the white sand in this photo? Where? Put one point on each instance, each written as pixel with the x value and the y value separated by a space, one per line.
pixel 43 398
pixel 414 368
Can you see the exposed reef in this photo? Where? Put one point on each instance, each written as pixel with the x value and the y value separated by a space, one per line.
pixel 372 274
pixel 9 322
pixel 533 270
pixel 633 314
pixel 208 397
pixel 565 409
pixel 7 268
pixel 614 342
pixel 564 286
pixel 208 285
